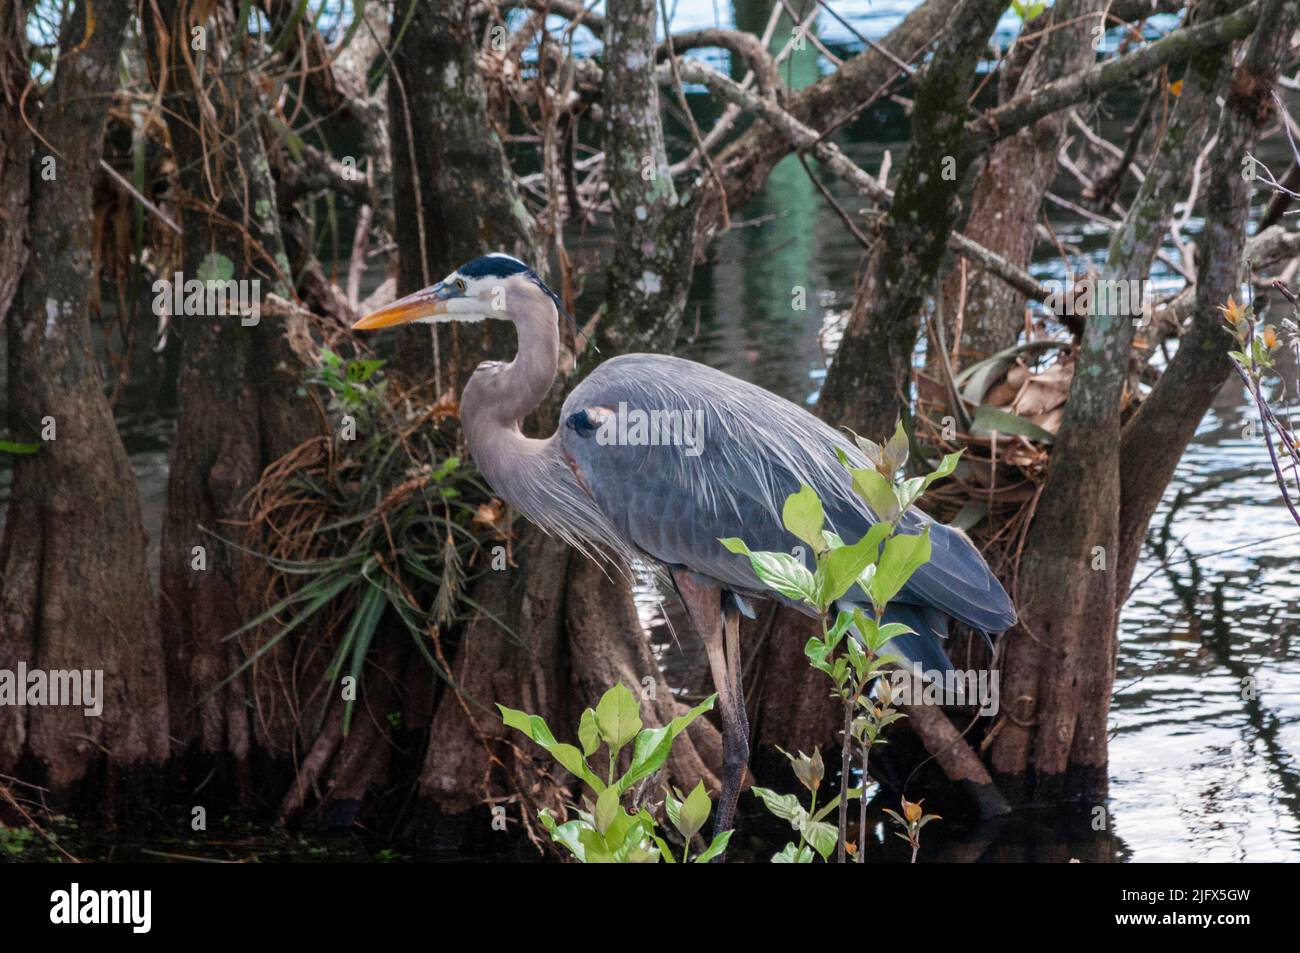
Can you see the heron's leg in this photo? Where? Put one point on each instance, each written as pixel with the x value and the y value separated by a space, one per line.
pixel 704 605
pixel 735 753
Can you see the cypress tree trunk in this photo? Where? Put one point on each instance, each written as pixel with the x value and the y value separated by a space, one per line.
pixel 1009 192
pixel 1059 662
pixel 74 588
pixel 239 407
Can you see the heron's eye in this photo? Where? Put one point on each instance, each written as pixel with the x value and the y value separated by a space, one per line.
pixel 460 285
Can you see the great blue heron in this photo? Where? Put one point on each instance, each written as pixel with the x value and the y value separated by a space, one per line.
pixel 670 501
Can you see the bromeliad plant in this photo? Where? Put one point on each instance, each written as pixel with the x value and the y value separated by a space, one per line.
pixel 605 831
pixel 375 520
pixel 879 565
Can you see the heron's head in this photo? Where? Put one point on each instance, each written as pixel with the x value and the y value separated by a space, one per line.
pixel 491 286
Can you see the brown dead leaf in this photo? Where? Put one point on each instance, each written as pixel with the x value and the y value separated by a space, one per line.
pixel 492 516
pixel 1043 392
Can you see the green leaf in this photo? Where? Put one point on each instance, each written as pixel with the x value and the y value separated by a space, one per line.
pixel 873 487
pixel 911 490
pixel 607 809
pixel 654 744
pixel 816 651
pixel 618 717
pixel 834 802
pixel 875 636
pixel 594 848
pixel 840 568
pixel 803 516
pixel 215 267
pixel 784 806
pixel 9 446
pixel 780 572
pixel 842 623
pixel 990 420
pixel 567 834
pixel 793 854
pixel 360 371
pixel 588 733
pixel 822 836
pixel 903 555
pixel 664 850
pixel 894 455
pixel 694 812
pixel 534 726
pixel 714 849
pixel 672 807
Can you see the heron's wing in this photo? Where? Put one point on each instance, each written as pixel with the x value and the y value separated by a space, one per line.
pixel 740 451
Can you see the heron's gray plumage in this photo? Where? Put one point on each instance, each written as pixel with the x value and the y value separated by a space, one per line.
pixel 757 448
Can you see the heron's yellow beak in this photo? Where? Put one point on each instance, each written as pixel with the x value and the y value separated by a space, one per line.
pixel 428 303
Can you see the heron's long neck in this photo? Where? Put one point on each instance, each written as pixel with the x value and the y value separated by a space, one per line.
pixel 497 399
pixel 532 475
pixel 525 381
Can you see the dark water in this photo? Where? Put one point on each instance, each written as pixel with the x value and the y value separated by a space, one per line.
pixel 1198 771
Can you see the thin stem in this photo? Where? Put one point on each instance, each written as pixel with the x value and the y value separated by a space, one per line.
pixel 862 808
pixel 845 754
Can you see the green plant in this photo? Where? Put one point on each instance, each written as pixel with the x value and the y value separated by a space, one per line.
pixel 815 835
pixel 15 841
pixel 375 520
pixel 879 564
pixel 604 830
pixel 911 821
pixel 1252 359
pixel 1029 10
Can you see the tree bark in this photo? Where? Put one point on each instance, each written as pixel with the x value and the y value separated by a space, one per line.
pixel 869 383
pixel 456 192
pixel 239 408
pixel 1009 191
pixel 1050 744
pixel 75 591
pixel 15 155
pixel 649 273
